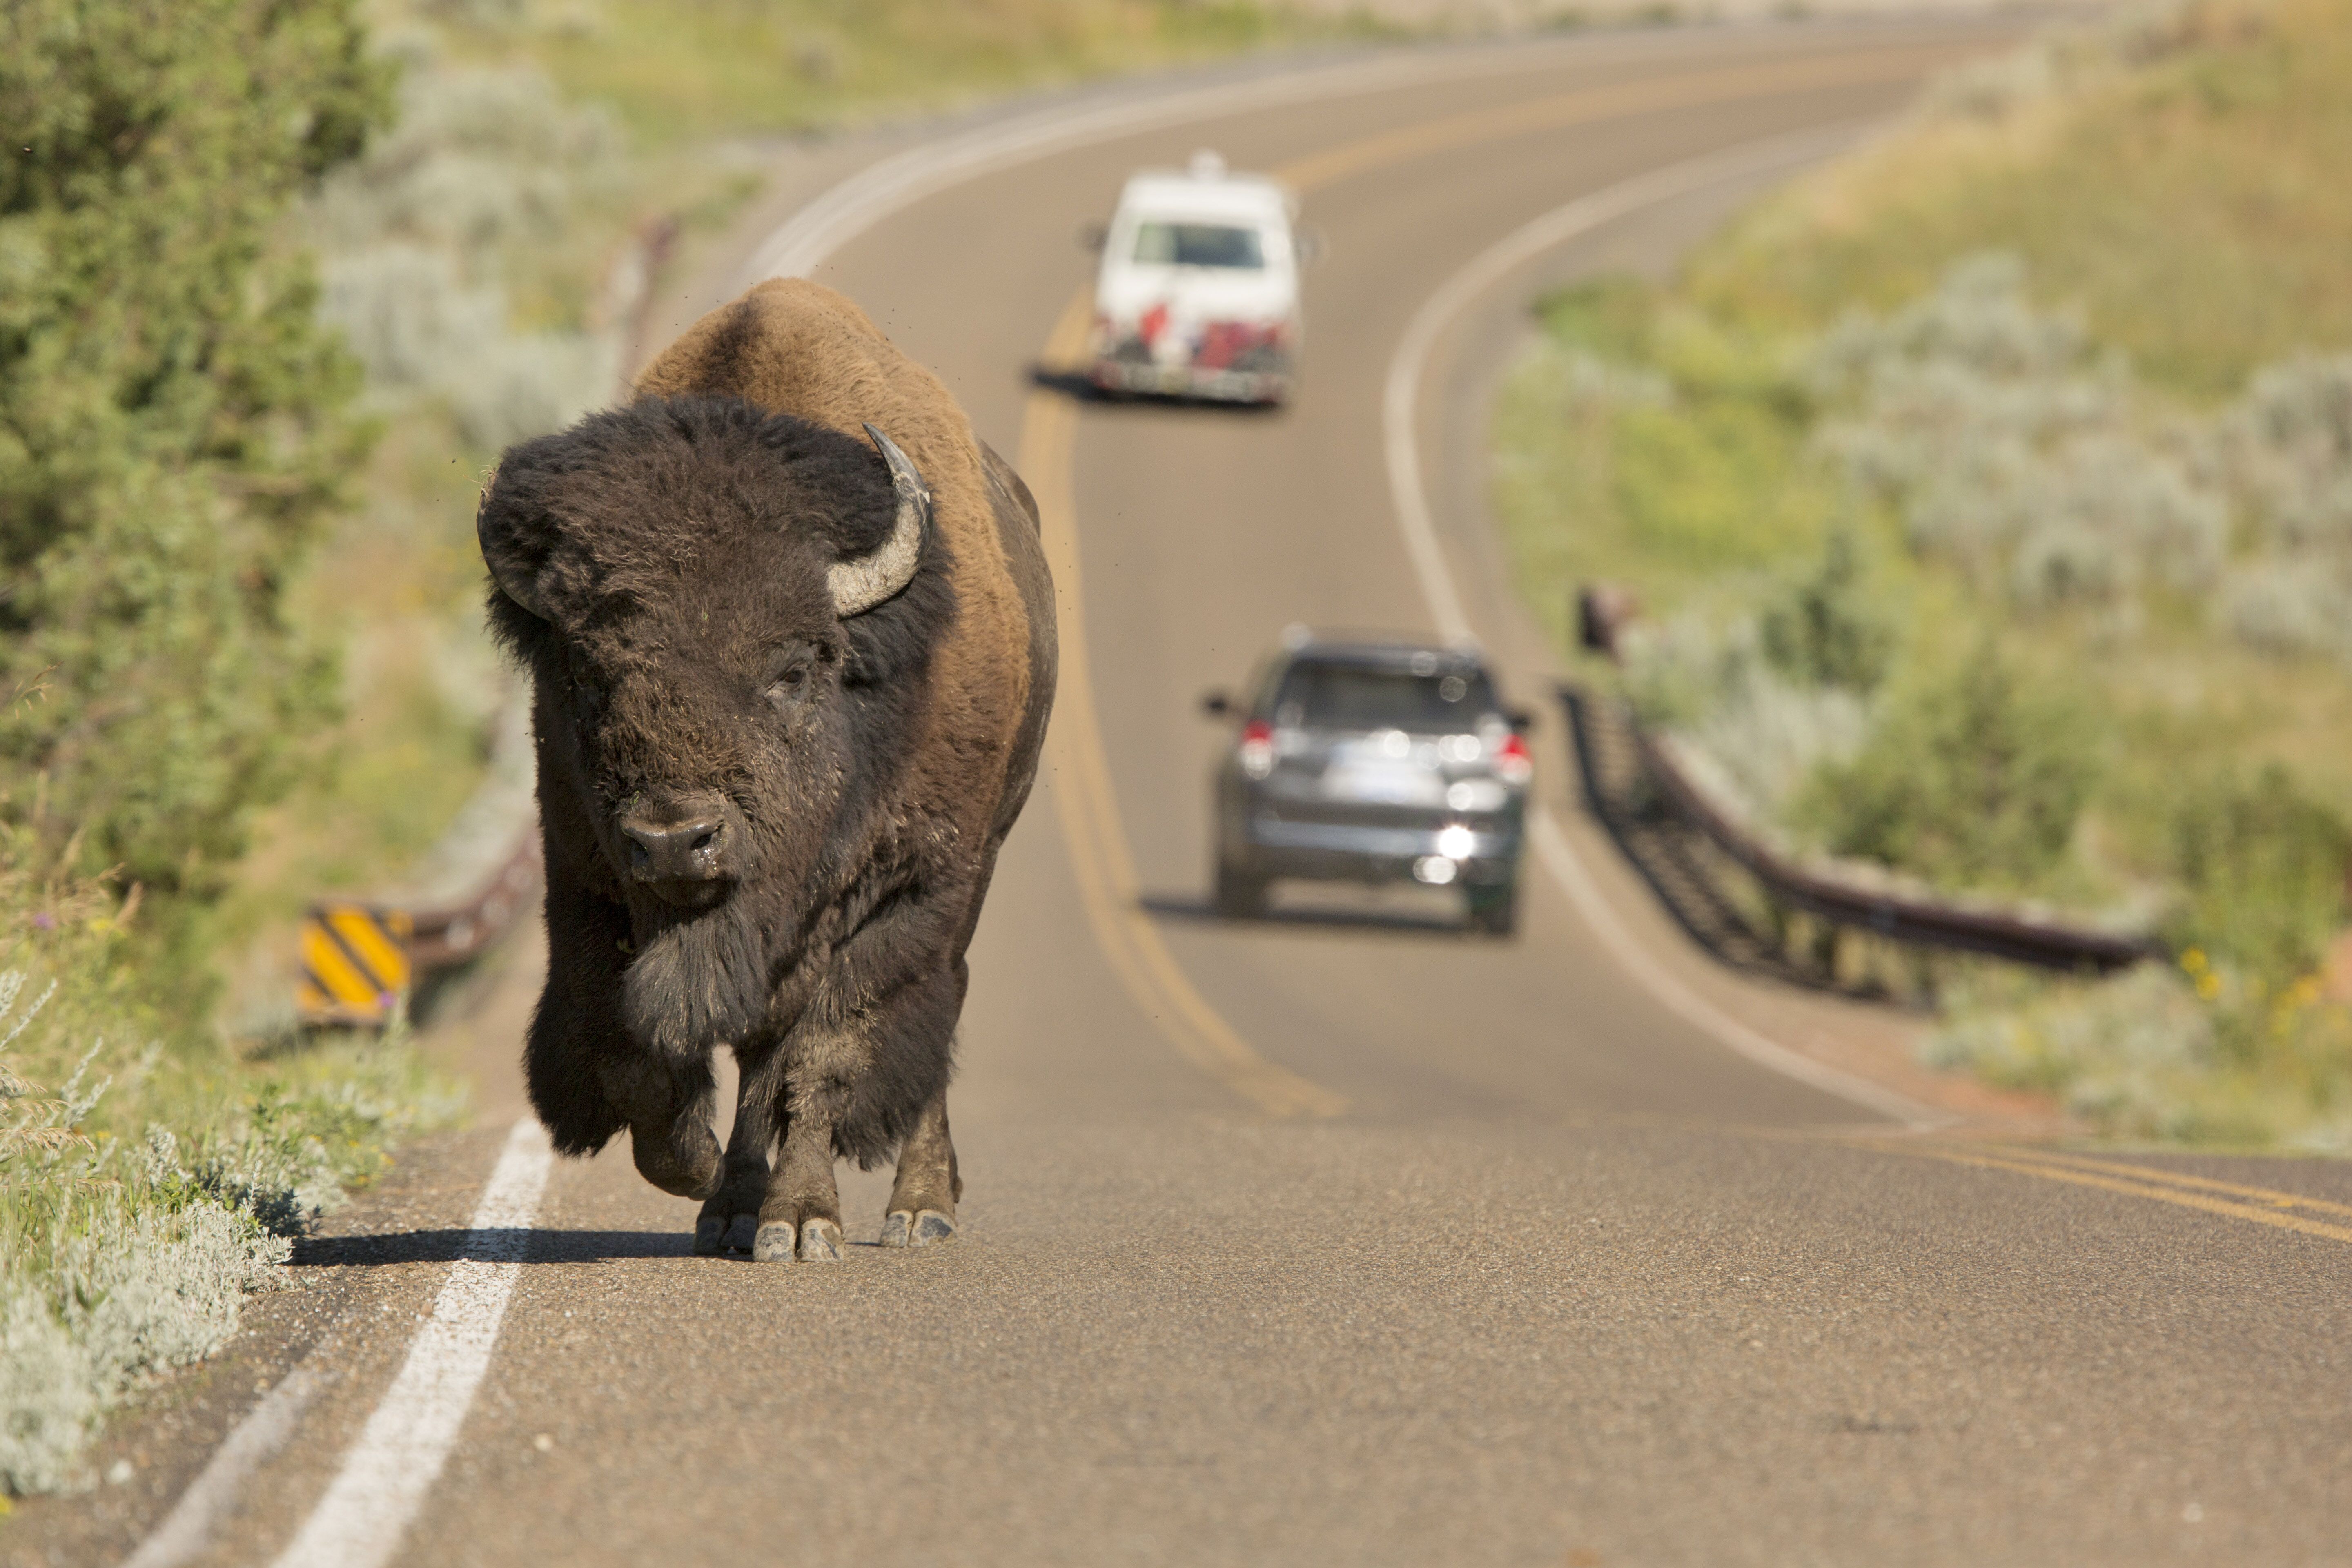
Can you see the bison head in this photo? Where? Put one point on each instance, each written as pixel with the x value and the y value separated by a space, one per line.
pixel 728 616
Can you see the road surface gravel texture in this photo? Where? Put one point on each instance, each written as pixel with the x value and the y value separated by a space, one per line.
pixel 1340 1237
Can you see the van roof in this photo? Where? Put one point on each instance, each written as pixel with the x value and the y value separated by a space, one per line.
pixel 1244 197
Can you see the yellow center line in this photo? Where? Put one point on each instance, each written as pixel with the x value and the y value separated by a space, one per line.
pixel 1085 799
pixel 2086 1173
pixel 2157 1174
pixel 1089 806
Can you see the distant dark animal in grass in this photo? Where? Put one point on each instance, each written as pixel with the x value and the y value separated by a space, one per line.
pixel 791 635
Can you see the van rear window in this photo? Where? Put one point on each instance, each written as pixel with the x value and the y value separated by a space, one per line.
pixel 1198 245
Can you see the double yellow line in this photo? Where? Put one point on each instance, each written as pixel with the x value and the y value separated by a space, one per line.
pixel 2231 1200
pixel 1087 804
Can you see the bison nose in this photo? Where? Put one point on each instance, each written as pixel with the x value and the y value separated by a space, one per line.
pixel 679 846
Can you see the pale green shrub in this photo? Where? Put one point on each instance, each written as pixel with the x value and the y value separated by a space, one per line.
pixel 2198 1052
pixel 483 169
pixel 121 1259
pixel 2009 447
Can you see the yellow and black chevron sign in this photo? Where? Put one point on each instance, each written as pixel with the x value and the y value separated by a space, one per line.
pixel 355 964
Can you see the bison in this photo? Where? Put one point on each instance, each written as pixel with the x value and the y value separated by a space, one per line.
pixel 791 639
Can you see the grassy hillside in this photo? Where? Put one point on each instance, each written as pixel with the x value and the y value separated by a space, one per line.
pixel 728 68
pixel 1991 496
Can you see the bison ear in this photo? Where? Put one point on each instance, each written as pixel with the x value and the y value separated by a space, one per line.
pixel 859 585
pixel 513 575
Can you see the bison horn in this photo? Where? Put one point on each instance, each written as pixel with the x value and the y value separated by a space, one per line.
pixel 858 586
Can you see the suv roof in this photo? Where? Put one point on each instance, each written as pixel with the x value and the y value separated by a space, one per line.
pixel 1378 652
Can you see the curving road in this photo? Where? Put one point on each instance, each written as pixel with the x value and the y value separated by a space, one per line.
pixel 1339 1237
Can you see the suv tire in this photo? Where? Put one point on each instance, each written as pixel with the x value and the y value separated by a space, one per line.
pixel 1494 911
pixel 1240 894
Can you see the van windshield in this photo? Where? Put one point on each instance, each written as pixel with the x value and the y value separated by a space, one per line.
pixel 1351 696
pixel 1198 245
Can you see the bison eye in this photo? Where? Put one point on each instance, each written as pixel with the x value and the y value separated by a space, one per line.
pixel 791 685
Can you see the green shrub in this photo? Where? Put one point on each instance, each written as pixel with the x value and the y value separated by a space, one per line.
pixel 1972 777
pixel 171 424
pixel 2261 869
pixel 1826 631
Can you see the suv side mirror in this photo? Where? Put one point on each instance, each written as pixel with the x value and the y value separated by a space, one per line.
pixel 1216 704
pixel 1519 720
pixel 1093 236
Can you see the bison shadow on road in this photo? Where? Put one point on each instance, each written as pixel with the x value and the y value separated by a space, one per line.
pixel 502 1246
pixel 1193 909
pixel 1079 388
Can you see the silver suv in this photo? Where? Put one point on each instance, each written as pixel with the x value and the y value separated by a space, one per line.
pixel 1365 761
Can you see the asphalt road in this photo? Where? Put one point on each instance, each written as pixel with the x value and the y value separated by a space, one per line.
pixel 1340 1237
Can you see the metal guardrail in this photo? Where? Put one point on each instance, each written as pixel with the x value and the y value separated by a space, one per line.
pixel 1604 614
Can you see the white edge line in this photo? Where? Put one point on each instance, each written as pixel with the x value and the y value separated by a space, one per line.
pixel 1399 416
pixel 359 1523
pixel 188 1528
pixel 359 1520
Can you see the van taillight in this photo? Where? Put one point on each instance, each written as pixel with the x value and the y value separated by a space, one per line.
pixel 1258 748
pixel 1513 763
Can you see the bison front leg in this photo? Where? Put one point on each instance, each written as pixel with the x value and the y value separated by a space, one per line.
pixel 799 1216
pixel 587 1077
pixel 923 1199
pixel 730 1221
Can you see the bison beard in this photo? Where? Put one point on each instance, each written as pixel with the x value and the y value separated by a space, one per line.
pixel 792 640
pixel 696 981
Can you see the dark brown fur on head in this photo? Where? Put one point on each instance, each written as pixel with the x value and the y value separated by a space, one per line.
pixel 689 649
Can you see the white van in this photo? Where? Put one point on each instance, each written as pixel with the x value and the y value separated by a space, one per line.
pixel 1198 292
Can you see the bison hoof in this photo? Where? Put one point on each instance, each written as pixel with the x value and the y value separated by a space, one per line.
pixel 819 1241
pixel 920 1229
pixel 716 1234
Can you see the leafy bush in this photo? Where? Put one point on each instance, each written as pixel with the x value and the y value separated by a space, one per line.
pixel 2262 867
pixel 2289 449
pixel 1973 776
pixel 1826 630
pixel 171 419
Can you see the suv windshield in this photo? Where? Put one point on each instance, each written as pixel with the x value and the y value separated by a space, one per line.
pixel 1353 697
pixel 1198 245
